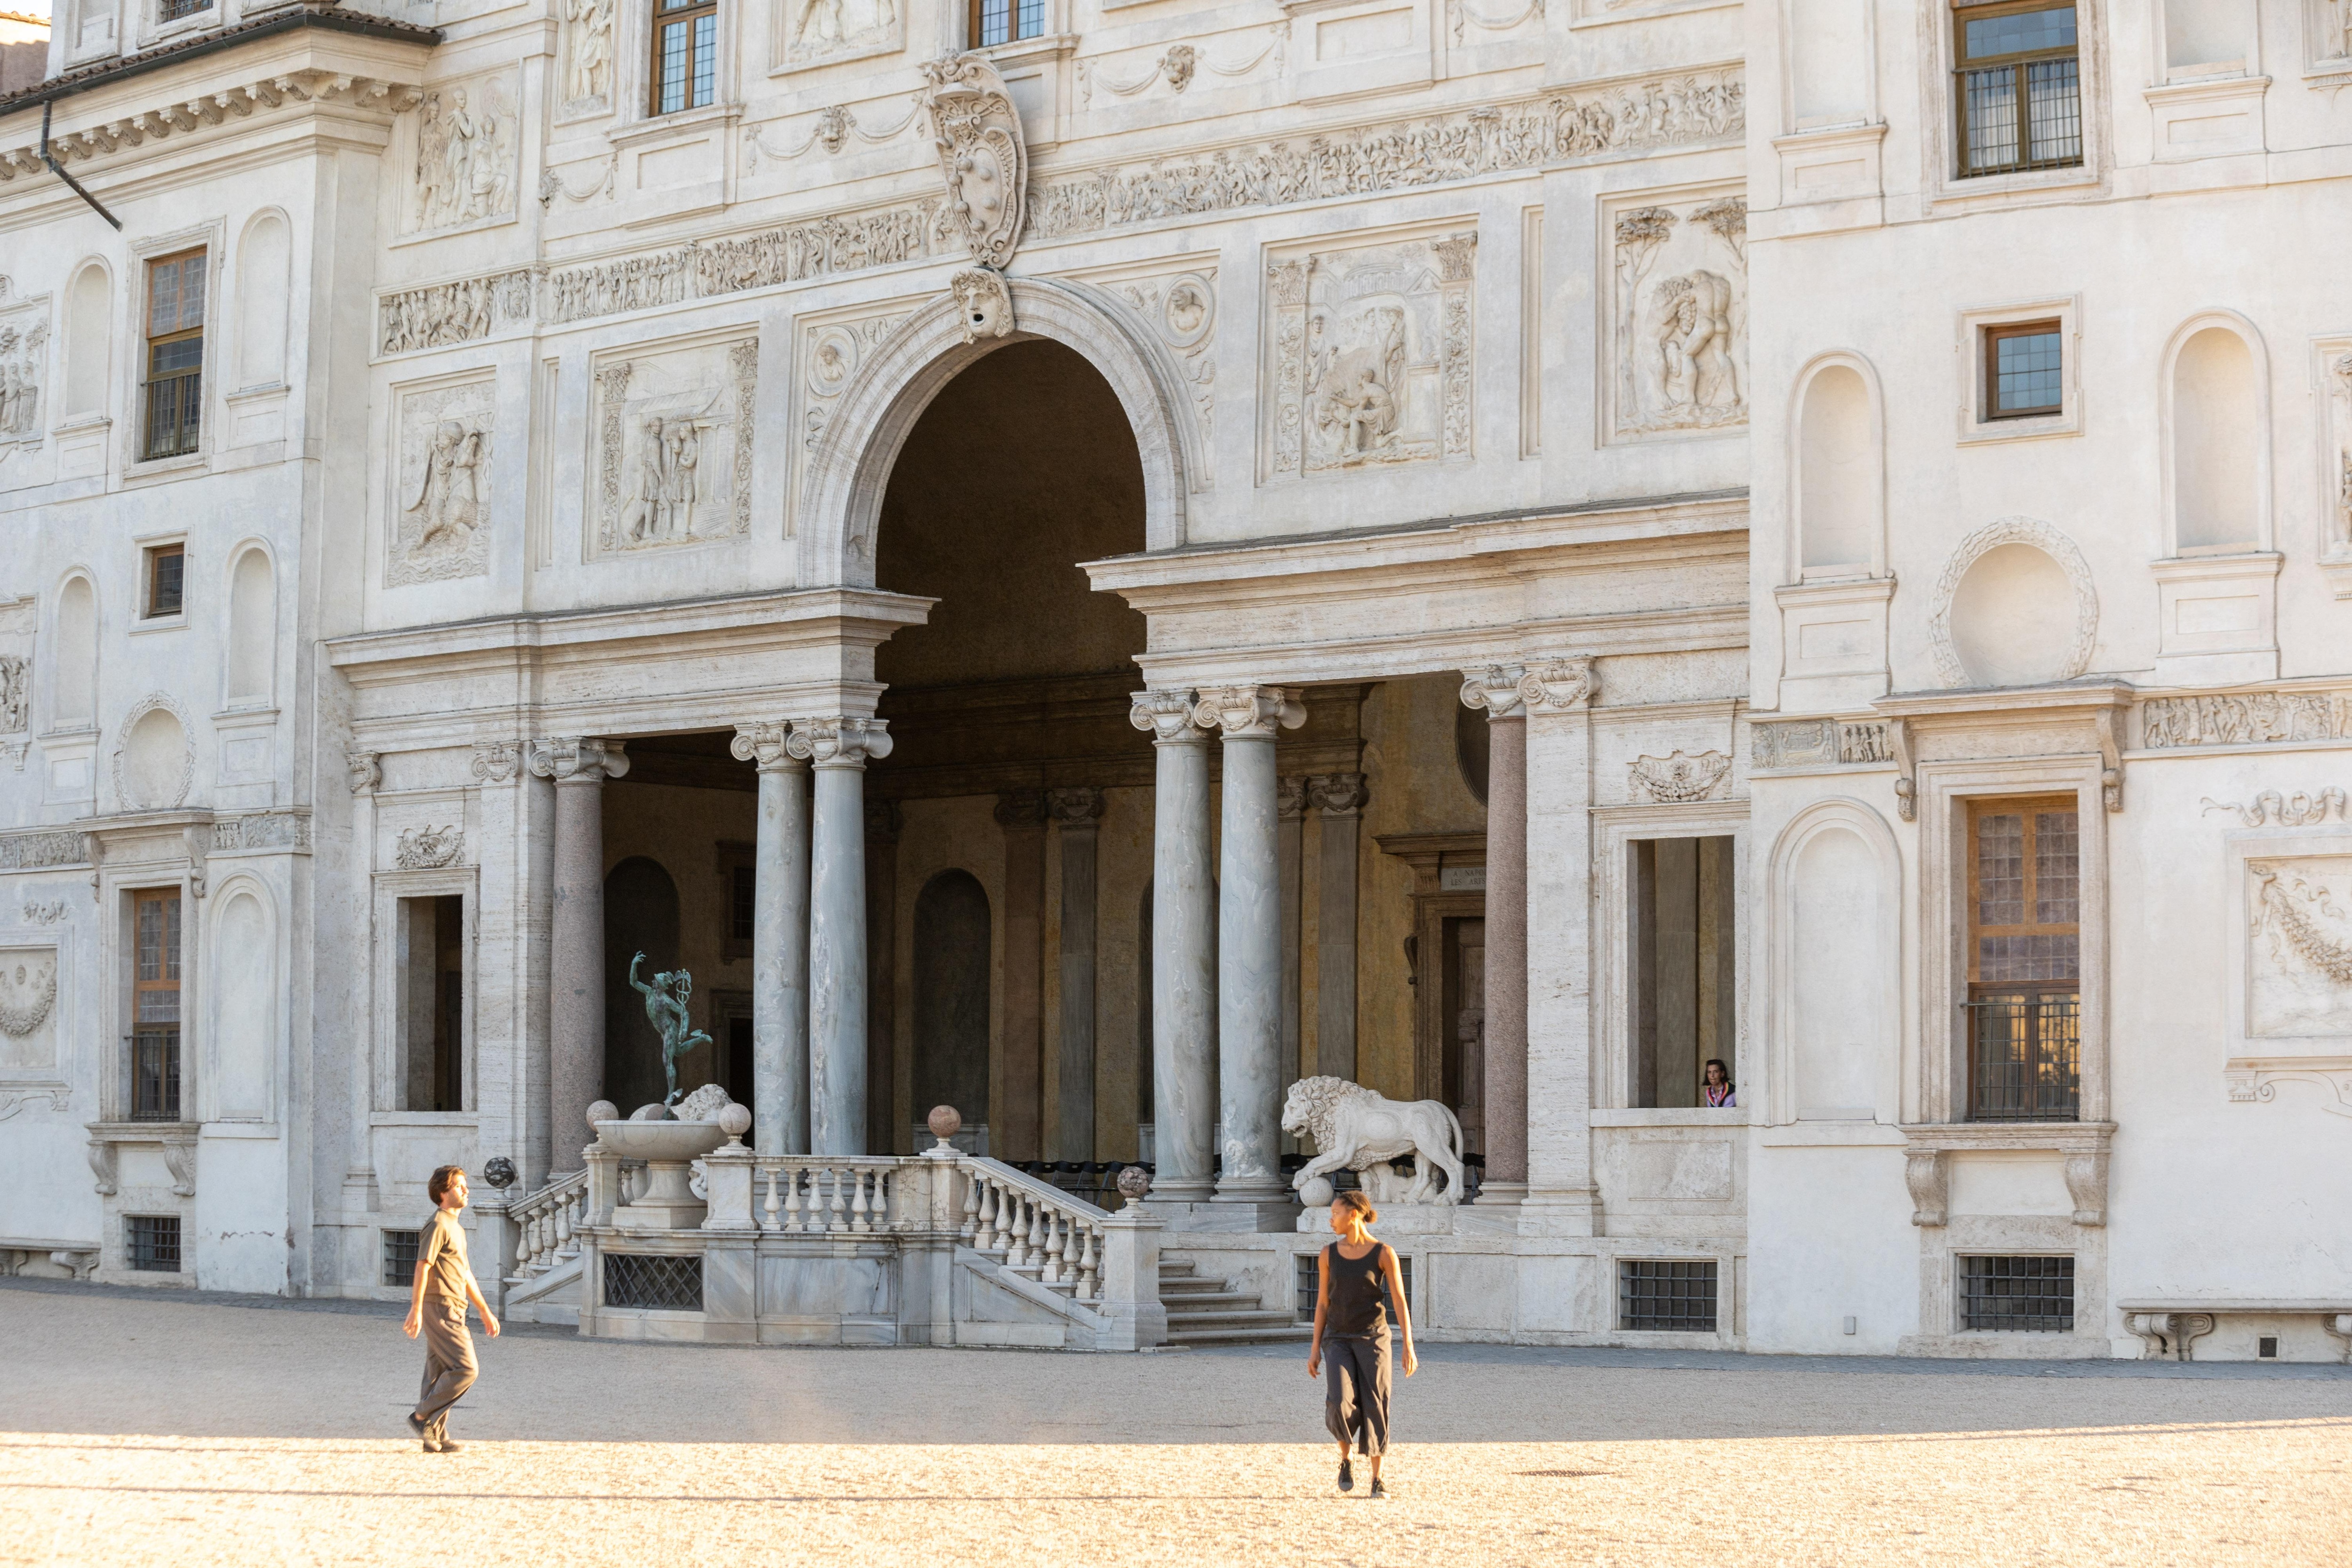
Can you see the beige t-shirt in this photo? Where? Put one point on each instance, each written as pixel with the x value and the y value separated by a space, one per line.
pixel 441 1248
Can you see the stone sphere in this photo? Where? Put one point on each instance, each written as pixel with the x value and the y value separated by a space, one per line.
pixel 945 1121
pixel 734 1120
pixel 1133 1183
pixel 603 1110
pixel 499 1172
pixel 1316 1194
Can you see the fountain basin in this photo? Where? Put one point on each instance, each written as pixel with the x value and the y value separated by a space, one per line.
pixel 668 1149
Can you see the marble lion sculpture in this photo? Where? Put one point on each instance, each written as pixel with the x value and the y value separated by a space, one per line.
pixel 1355 1128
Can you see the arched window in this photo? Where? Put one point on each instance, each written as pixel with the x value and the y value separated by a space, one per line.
pixel 252 629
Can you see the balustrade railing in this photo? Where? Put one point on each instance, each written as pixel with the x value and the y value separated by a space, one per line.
pixel 1038 1229
pixel 544 1224
pixel 809 1194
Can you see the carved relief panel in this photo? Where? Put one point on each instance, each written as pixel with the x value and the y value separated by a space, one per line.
pixel 440 518
pixel 1368 358
pixel 1175 300
pixel 24 367
pixel 670 447
pixel 2299 959
pixel 585 58
pixel 826 357
pixel 2335 375
pixel 462 145
pixel 29 1006
pixel 827 32
pixel 18 622
pixel 1675 336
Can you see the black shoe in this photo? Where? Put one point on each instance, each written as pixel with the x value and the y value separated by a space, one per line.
pixel 1347 1477
pixel 1379 1492
pixel 417 1425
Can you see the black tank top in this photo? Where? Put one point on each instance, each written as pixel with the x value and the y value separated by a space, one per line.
pixel 1359 1305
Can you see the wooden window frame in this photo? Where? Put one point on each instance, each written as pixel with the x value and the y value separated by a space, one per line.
pixel 171 979
pixel 662 19
pixel 2018 65
pixel 156 554
pixel 1989 341
pixel 2031 995
pixel 1024 20
pixel 185 383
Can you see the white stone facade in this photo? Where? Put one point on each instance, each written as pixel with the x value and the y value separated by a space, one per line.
pixel 1637 369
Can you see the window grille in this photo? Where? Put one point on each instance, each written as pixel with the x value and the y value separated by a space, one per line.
pixel 2020 100
pixel 1308 1278
pixel 1671 1294
pixel 2026 1060
pixel 153 1242
pixel 155 1007
pixel 175 354
pixel 400 1256
pixel 2024 1006
pixel 2017 1295
pixel 686 54
pixel 173 10
pixel 651 1282
pixel 1006 21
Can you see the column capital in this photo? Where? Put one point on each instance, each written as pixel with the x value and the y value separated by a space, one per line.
pixel 1248 713
pixel 1290 797
pixel 1166 715
pixel 578 759
pixel 767 743
pixel 1076 805
pixel 839 741
pixel 1495 689
pixel 496 762
pixel 1336 794
pixel 1021 808
pixel 1558 685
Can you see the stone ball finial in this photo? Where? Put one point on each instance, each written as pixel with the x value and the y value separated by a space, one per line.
pixel 734 1120
pixel 603 1110
pixel 499 1172
pixel 1315 1192
pixel 1133 1183
pixel 945 1121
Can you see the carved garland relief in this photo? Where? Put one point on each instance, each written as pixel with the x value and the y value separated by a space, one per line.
pixel 1679 780
pixel 441 502
pixel 1677 334
pixel 464 142
pixel 2299 964
pixel 1369 358
pixel 673 445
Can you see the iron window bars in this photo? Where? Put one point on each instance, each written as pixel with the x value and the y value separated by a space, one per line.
pixel 400 1256
pixel 653 1282
pixel 152 1242
pixel 2018 87
pixel 2017 1295
pixel 1674 1295
pixel 2025 1058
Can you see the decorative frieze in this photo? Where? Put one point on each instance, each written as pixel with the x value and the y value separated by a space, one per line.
pixel 428 847
pixel 441 510
pixel 2244 718
pixel 2271 809
pixel 441 314
pixel 1820 743
pixel 673 445
pixel 261 830
pixel 1679 779
pixel 40 851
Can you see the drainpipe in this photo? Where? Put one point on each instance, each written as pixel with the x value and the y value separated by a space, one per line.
pixel 60 171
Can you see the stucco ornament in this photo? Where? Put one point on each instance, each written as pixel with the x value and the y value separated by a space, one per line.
pixel 984 303
pixel 1679 779
pixel 977 132
pixel 1355 1128
pixel 1983 542
pixel 28 989
pixel 429 847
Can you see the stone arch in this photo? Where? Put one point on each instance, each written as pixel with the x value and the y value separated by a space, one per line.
pixel 840 501
pixel 2032 532
pixel 88 342
pixel 1865 973
pixel 265 296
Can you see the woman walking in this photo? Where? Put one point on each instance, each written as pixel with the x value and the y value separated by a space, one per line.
pixel 1358 1278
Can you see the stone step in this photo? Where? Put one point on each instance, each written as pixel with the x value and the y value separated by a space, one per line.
pixel 1232 1318
pixel 1296 1334
pixel 1189 1301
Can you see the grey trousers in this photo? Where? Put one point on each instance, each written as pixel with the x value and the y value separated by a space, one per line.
pixel 450 1365
pixel 1356 1392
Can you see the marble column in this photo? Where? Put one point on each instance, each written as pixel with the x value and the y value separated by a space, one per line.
pixel 1078 813
pixel 576 1007
pixel 1016 1120
pixel 1340 801
pixel 1249 942
pixel 1183 956
pixel 837 748
pixel 1290 812
pixel 884 1116
pixel 1503 1088
pixel 780 908
pixel 1558 970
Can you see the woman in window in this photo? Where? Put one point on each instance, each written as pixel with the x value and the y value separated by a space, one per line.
pixel 1721 1094
pixel 1360 1284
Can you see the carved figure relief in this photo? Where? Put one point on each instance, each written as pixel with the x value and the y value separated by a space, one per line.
pixel 1679 779
pixel 261 830
pixel 39 851
pixel 820 32
pixel 28 996
pixel 24 337
pixel 441 508
pixel 587 55
pixel 1370 361
pixel 1182 311
pixel 1679 330
pixel 2336 452
pixel 16 694
pixel 428 847
pixel 673 446
pixel 467 139
pixel 2327 27
pixel 977 132
pixel 1819 742
pixel 829 357
pixel 2299 966
pixel 2242 718
pixel 446 313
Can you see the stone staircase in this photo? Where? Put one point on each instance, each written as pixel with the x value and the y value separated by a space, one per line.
pixel 1205 1312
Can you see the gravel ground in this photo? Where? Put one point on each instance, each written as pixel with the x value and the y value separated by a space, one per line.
pixel 218 1429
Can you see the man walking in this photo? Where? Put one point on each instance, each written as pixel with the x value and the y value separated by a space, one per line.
pixel 437 1306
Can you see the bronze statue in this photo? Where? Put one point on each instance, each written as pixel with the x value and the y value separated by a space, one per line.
pixel 666 1007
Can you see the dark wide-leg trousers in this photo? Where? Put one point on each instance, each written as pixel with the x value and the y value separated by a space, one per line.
pixel 450 1365
pixel 1356 1392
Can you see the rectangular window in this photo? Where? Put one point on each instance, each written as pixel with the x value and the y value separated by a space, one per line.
pixel 2024 1002
pixel 433 1002
pixel 173 10
pixel 152 1242
pixel 400 1256
pixel 155 1007
pixel 1006 21
pixel 1683 989
pixel 167 579
pixel 686 54
pixel 1674 1295
pixel 2017 1295
pixel 2019 91
pixel 175 354
pixel 2024 371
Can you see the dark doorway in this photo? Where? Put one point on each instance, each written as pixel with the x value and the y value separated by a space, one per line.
pixel 951 971
pixel 640 915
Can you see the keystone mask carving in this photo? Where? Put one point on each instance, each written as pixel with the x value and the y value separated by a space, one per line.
pixel 978 134
pixel 984 301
